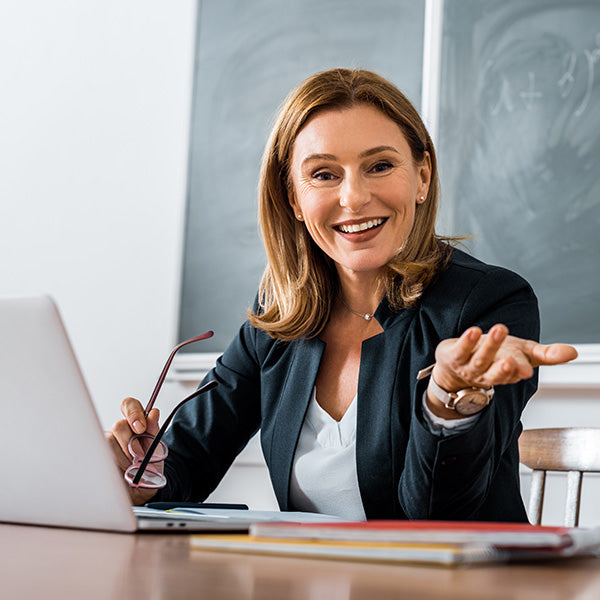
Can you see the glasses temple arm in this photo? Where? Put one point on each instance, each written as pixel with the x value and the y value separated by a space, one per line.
pixel 205 388
pixel 163 374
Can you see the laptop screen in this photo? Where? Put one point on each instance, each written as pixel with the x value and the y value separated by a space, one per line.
pixel 58 468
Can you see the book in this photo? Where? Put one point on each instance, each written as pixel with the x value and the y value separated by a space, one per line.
pixel 444 543
pixel 507 536
pixel 448 555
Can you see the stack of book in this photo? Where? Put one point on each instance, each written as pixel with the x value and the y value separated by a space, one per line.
pixel 415 542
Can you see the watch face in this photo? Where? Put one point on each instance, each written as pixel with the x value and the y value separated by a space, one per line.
pixel 471 402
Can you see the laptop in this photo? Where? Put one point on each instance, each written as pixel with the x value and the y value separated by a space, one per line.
pixel 57 467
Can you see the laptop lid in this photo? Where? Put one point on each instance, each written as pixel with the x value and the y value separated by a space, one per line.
pixel 57 468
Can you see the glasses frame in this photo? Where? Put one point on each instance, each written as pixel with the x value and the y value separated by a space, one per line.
pixel 135 481
pixel 157 480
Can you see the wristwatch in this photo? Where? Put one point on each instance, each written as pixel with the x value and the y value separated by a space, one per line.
pixel 467 401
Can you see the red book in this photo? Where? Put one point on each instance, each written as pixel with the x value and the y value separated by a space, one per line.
pixel 521 536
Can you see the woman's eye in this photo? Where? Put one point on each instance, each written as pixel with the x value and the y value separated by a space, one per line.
pixel 381 167
pixel 323 176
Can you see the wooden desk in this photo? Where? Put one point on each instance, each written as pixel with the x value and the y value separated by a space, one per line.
pixel 46 563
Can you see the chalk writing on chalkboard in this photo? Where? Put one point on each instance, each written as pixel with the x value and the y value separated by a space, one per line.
pixel 520 147
pixel 511 93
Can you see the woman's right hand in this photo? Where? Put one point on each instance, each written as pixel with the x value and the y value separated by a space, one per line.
pixel 120 434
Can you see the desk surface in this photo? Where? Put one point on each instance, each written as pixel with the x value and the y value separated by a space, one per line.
pixel 54 563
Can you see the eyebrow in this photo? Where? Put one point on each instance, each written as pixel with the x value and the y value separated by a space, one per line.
pixel 366 153
pixel 377 150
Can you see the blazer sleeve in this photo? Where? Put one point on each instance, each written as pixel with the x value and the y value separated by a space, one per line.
pixel 461 476
pixel 209 432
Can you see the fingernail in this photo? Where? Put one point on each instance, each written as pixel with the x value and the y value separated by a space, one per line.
pixel 138 427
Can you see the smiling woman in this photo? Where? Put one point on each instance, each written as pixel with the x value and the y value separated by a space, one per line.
pixel 358 197
pixel 331 119
pixel 370 357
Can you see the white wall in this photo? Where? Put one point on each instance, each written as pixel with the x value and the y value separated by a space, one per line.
pixel 94 121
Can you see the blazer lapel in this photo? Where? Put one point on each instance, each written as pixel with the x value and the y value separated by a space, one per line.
pixel 375 459
pixel 294 399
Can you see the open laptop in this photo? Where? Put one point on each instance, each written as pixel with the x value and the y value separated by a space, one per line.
pixel 57 468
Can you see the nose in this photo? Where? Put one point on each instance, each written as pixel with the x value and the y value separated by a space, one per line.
pixel 354 193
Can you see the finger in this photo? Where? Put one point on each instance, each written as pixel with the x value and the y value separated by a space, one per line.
pixel 465 345
pixel 133 411
pixel 152 421
pixel 123 461
pixel 122 433
pixel 485 354
pixel 509 369
pixel 552 354
pixel 451 356
pixel 138 495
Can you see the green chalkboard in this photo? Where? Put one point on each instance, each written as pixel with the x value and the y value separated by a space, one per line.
pixel 249 55
pixel 519 147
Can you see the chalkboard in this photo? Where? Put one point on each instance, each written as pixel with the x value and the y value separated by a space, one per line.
pixel 249 55
pixel 519 148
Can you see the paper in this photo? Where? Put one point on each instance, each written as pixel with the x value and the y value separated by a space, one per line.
pixel 436 554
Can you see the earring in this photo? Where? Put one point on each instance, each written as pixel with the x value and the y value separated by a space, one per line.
pixel 299 216
pixel 421 199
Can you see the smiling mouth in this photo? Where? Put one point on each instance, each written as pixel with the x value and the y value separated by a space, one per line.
pixel 361 227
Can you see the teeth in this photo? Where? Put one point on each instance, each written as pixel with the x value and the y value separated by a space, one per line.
pixel 360 227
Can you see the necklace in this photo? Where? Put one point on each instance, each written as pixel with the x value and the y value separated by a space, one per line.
pixel 365 316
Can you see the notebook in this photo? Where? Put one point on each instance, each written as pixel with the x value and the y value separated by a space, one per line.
pixel 57 468
pixel 428 542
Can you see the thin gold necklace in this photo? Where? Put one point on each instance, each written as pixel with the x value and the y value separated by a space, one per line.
pixel 365 316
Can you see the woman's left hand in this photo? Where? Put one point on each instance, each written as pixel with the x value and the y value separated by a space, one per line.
pixel 476 359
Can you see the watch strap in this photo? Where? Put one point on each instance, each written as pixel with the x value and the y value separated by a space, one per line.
pixel 449 399
pixel 426 372
pixel 446 398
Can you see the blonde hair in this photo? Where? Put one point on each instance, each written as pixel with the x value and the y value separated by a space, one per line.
pixel 300 282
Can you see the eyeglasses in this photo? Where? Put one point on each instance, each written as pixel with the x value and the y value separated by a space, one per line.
pixel 146 449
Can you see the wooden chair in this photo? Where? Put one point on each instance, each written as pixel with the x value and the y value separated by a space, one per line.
pixel 574 450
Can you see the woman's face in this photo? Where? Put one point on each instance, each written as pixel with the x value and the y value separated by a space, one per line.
pixel 356 186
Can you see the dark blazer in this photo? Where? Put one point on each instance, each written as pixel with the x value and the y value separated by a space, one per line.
pixel 404 471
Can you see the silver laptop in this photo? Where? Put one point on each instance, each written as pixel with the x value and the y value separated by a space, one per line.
pixel 57 468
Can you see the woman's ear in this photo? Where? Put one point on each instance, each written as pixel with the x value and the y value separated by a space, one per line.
pixel 424 178
pixel 292 202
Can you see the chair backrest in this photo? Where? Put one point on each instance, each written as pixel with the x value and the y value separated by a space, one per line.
pixel 575 450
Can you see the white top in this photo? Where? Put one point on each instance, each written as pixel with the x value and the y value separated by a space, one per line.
pixel 324 477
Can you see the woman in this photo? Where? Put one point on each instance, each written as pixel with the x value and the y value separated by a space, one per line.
pixel 358 298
